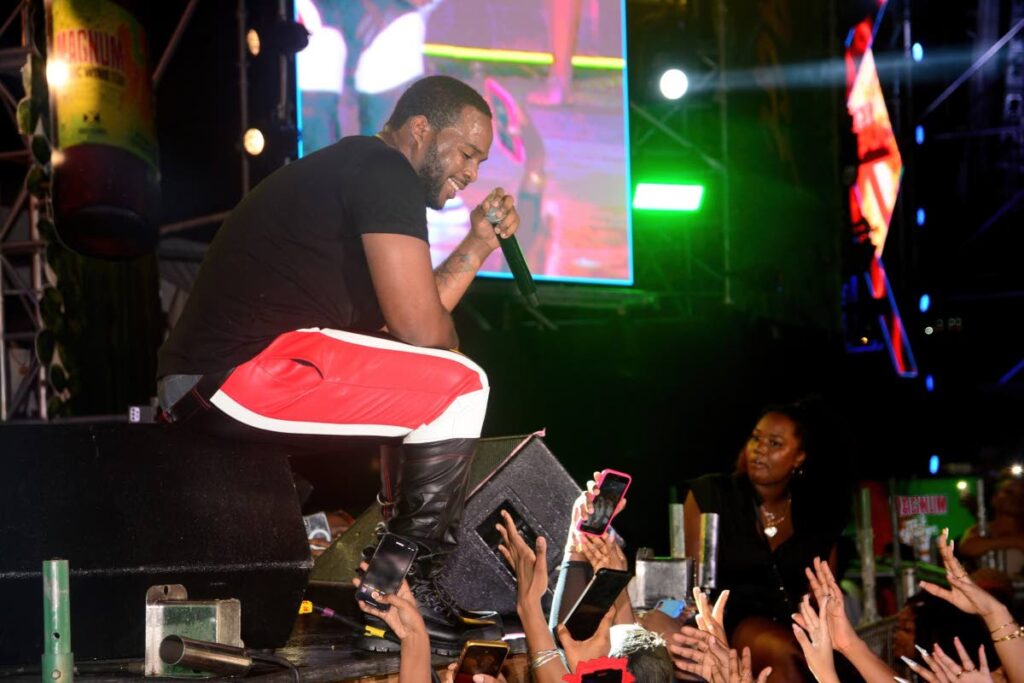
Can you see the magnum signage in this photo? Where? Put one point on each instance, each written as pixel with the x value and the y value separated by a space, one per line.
pixel 107 98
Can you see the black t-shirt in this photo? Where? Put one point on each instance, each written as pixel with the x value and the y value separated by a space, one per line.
pixel 290 255
pixel 761 582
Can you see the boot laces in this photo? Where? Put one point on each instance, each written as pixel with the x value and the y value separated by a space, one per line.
pixel 430 593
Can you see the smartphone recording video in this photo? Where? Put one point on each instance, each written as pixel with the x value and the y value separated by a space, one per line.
pixel 480 657
pixel 613 486
pixel 387 569
pixel 598 597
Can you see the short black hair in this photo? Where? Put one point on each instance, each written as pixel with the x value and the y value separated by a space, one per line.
pixel 647 656
pixel 439 98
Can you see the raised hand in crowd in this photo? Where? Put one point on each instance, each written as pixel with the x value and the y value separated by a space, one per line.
pixel 584 507
pixel 405 621
pixel 602 552
pixel 739 670
pixel 823 585
pixel 945 670
pixel 711 619
pixel 696 651
pixel 963 593
pixel 531 569
pixel 594 647
pixel 841 633
pixel 530 566
pixel 711 660
pixel 449 676
pixel 812 632
pixel 404 618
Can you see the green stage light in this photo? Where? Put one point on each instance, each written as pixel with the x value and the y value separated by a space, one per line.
pixel 668 197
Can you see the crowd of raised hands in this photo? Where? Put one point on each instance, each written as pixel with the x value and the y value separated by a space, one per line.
pixel 827 629
pixel 821 626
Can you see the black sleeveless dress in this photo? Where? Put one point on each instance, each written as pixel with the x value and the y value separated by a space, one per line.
pixel 762 582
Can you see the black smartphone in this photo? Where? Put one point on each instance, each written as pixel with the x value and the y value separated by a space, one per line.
pixel 387 569
pixel 480 657
pixel 613 486
pixel 598 597
pixel 602 676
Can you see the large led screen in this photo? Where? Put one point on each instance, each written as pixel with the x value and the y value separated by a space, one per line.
pixel 553 72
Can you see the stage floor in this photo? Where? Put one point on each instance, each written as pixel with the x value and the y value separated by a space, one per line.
pixel 319 647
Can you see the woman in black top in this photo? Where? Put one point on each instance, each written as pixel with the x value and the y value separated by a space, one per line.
pixel 774 518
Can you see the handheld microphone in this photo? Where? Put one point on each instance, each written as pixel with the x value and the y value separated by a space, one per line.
pixel 516 262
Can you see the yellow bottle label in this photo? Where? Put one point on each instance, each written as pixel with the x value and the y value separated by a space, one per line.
pixel 99 78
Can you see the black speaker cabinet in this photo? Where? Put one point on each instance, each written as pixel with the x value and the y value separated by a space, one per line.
pixel 515 473
pixel 130 506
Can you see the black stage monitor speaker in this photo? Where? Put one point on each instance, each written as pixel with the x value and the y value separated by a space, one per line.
pixel 516 473
pixel 130 506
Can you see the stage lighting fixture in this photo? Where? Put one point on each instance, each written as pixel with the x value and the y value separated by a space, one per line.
pixel 58 73
pixel 667 197
pixel 929 383
pixel 253 141
pixel 917 52
pixel 933 465
pixel 924 303
pixel 961 485
pixel 929 330
pixel 673 84
pixel 919 135
pixel 1017 470
pixel 920 216
pixel 252 41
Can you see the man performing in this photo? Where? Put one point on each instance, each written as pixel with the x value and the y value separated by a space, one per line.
pixel 316 312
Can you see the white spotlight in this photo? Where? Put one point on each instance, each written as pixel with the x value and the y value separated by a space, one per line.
pixel 674 84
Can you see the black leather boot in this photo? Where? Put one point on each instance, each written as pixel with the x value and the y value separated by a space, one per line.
pixel 425 505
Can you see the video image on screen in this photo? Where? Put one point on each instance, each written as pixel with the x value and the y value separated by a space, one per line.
pixel 553 73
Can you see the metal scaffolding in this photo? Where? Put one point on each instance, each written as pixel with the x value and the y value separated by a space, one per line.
pixel 696 133
pixel 23 381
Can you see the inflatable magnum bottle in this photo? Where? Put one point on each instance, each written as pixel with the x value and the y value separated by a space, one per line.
pixel 106 179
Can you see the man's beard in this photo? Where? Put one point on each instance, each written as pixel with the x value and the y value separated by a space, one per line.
pixel 433 178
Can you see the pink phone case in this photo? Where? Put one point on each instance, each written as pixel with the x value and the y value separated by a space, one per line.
pixel 604 473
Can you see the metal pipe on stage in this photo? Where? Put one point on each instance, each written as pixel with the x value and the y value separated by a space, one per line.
pixel 676 531
pixel 223 660
pixel 707 567
pixel 866 544
pixel 897 559
pixel 58 662
pixel 979 495
pixel 990 559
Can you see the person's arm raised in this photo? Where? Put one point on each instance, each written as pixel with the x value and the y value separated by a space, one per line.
pixel 404 283
pixel 842 635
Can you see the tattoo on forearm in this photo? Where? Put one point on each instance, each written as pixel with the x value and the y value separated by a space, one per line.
pixel 449 272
